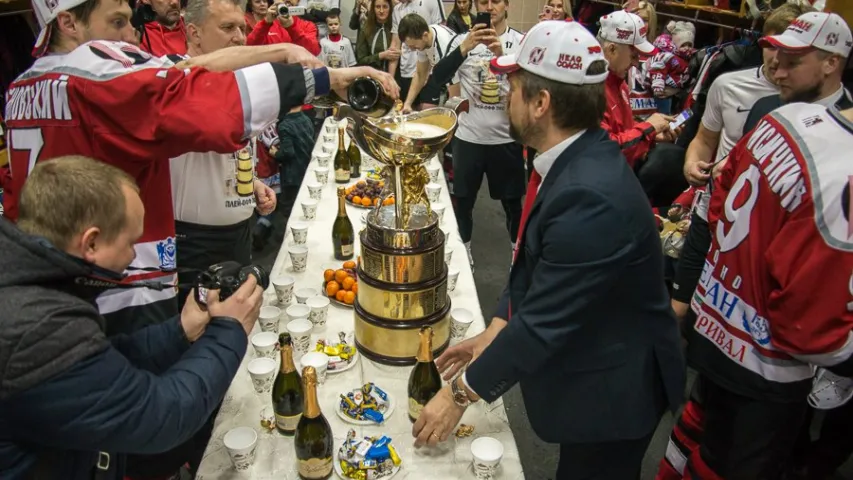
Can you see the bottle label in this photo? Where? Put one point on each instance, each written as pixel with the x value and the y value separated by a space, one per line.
pixel 288 424
pixel 315 467
pixel 415 408
pixel 346 249
pixel 342 175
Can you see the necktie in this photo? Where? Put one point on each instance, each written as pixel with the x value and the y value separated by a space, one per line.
pixel 532 190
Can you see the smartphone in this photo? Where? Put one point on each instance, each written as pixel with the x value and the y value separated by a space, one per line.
pixel 485 18
pixel 680 119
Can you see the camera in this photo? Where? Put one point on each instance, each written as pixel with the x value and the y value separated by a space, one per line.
pixel 293 11
pixel 227 277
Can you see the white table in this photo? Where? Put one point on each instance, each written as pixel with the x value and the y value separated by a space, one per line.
pixel 275 457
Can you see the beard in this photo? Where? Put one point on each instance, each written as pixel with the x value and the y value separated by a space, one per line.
pixel 524 133
pixel 808 95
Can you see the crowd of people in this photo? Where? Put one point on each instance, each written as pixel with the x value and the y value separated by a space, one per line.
pixel 147 143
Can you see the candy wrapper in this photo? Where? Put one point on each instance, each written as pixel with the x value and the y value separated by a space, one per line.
pixel 464 431
pixel 369 458
pixel 366 403
pixel 340 351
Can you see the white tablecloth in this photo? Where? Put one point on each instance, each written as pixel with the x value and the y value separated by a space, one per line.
pixel 275 458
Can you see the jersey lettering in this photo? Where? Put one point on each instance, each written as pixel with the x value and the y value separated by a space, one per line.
pixel 738 217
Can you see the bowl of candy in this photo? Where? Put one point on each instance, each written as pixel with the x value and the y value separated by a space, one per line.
pixel 369 458
pixel 341 351
pixel 367 405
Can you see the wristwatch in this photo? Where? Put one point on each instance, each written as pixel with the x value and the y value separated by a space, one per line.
pixel 460 395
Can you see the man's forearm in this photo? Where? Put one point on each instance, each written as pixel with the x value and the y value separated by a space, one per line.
pixel 235 58
pixel 418 81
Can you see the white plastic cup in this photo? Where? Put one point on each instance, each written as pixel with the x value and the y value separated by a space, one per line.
pixel 315 191
pixel 433 170
pixel 322 174
pixel 265 344
pixel 298 257
pixel 318 360
pixel 323 160
pixel 487 453
pixel 297 311
pixel 452 278
pixel 329 138
pixel 329 148
pixel 460 320
pixel 300 334
pixel 299 232
pixel 331 126
pixel 283 286
pixel 319 310
pixel 241 443
pixel 309 209
pixel 438 208
pixel 433 191
pixel 262 371
pixel 269 319
pixel 448 254
pixel 446 235
pixel 303 294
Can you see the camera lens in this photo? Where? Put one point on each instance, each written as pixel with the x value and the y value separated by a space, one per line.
pixel 260 274
pixel 282 10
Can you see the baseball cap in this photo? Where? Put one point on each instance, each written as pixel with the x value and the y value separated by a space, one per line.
pixel 557 50
pixel 823 31
pixel 46 12
pixel 627 29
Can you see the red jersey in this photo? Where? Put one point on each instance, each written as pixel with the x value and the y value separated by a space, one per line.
pixel 159 40
pixel 775 298
pixel 635 139
pixel 114 102
pixel 302 33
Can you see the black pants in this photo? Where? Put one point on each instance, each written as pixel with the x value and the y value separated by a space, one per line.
pixel 745 438
pixel 503 166
pixel 662 174
pixel 200 246
pixel 692 260
pixel 620 460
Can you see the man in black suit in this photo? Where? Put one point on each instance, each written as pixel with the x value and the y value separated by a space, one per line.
pixel 590 335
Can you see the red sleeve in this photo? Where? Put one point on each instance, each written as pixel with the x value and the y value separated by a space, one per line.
pixel 304 34
pixel 258 35
pixel 634 142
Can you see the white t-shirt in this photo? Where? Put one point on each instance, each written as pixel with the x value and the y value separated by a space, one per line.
pixel 442 36
pixel 433 13
pixel 486 122
pixel 204 187
pixel 338 54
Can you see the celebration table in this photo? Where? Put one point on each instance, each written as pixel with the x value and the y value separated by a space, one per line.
pixel 275 457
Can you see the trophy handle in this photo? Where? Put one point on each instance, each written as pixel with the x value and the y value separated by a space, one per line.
pixel 457 104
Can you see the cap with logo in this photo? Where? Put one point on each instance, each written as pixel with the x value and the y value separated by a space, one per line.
pixel 823 31
pixel 557 50
pixel 46 12
pixel 627 29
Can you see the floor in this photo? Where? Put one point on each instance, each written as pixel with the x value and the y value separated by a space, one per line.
pixel 492 260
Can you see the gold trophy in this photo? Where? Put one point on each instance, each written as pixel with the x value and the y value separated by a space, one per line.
pixel 402 274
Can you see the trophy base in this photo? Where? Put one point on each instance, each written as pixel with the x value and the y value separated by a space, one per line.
pixel 390 342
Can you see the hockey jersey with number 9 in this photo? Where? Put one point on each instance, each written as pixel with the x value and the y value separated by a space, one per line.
pixel 774 299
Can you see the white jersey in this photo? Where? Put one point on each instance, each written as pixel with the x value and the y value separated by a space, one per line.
pixel 337 54
pixel 486 122
pixel 325 6
pixel 205 187
pixel 433 13
pixel 442 36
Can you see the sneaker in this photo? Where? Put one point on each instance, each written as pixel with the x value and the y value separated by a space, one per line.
pixel 829 390
pixel 260 235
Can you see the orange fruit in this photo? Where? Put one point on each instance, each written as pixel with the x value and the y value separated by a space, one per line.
pixel 365 201
pixel 332 288
pixel 348 190
pixel 340 295
pixel 361 182
pixel 349 264
pixel 341 275
pixel 356 200
pixel 349 298
pixel 328 275
pixel 387 201
pixel 376 201
pixel 348 283
pixel 390 200
pixel 354 288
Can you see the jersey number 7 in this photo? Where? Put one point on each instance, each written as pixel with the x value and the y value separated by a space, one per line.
pixel 29 140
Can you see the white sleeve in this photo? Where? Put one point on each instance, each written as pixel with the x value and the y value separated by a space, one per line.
pixel 349 54
pixel 395 20
pixel 322 55
pixel 712 119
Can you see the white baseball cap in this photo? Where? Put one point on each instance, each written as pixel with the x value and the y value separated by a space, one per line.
pixel 627 29
pixel 557 50
pixel 46 12
pixel 823 31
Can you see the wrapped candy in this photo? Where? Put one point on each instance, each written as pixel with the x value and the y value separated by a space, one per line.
pixel 364 404
pixel 340 352
pixel 395 459
pixel 371 458
pixel 373 415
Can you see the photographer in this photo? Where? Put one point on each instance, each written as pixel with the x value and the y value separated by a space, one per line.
pixel 71 399
pixel 278 28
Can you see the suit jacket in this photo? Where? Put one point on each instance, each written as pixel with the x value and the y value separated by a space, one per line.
pixel 591 338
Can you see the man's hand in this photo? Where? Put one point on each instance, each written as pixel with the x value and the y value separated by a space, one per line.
pixel 660 122
pixel 341 78
pixel 272 13
pixel 286 21
pixel 667 136
pixel 390 54
pixel 458 356
pixel 407 108
pixel 193 319
pixel 244 305
pixel 437 420
pixel 717 168
pixel 265 200
pixel 696 171
pixel 475 37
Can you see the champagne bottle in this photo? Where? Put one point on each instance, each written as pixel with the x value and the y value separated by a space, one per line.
pixel 366 95
pixel 313 443
pixel 354 154
pixel 342 163
pixel 287 395
pixel 343 235
pixel 424 382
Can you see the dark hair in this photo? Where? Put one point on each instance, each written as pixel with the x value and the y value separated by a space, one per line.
pixel 82 12
pixel 334 13
pixel 370 25
pixel 572 106
pixel 412 26
pixel 471 8
pixel 250 10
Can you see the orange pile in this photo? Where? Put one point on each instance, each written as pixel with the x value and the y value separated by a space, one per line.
pixel 367 194
pixel 342 284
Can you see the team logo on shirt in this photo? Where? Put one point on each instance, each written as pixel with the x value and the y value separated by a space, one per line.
pixel 166 253
pixel 757 327
pixel 812 121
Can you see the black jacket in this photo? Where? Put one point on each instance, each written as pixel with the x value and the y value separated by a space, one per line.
pixel 67 392
pixel 591 338
pixel 455 22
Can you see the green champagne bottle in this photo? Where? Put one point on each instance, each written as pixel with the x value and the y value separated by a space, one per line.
pixel 424 381
pixel 287 395
pixel 313 442
pixel 354 154
pixel 342 162
pixel 343 235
